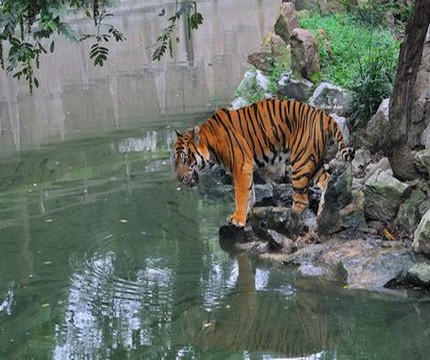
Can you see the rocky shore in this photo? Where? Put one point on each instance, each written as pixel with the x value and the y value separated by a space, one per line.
pixel 374 230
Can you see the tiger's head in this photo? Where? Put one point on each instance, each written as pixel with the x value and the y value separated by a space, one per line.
pixel 188 157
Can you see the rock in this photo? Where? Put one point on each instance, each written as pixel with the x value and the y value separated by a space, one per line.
pixel 422 161
pixel 262 60
pixel 341 209
pixel 281 219
pixel 419 274
pixel 305 60
pixel 230 234
pixel 412 210
pixel 283 194
pixel 239 102
pixel 359 263
pixel 361 159
pixel 287 21
pixel 264 195
pixel 332 99
pixel 278 48
pixel 271 173
pixel 383 195
pixel 383 164
pixel 425 137
pixel 421 242
pixel 294 89
pixel 376 130
pixel 281 243
pixel 253 80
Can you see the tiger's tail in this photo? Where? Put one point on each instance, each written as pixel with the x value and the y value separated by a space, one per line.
pixel 346 151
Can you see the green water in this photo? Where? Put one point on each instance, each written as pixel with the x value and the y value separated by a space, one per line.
pixel 103 256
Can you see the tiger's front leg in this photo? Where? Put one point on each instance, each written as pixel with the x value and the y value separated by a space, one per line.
pixel 242 181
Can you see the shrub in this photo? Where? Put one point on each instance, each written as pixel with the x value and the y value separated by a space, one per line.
pixel 359 58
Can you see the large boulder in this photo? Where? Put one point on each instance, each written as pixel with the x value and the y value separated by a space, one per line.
pixel 305 59
pixel 331 98
pixel 421 242
pixel 412 210
pixel 383 195
pixel 377 127
pixel 287 21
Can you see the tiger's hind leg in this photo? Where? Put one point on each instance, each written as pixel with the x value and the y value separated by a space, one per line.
pixel 300 182
pixel 321 179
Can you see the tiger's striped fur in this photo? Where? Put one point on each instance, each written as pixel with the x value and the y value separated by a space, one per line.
pixel 262 133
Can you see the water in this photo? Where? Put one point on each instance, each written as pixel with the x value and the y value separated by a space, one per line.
pixel 105 257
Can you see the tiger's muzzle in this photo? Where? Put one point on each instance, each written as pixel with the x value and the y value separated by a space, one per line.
pixel 190 180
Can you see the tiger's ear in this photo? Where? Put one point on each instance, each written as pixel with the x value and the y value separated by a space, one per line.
pixel 196 134
pixel 178 134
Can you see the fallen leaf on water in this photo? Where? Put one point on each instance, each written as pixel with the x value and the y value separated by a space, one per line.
pixel 123 221
pixel 207 325
pixel 44 305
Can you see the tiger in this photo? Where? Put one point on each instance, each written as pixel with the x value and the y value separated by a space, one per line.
pixel 260 134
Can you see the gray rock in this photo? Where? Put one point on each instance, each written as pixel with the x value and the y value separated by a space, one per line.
pixel 252 80
pixel 383 195
pixel 262 60
pixel 360 263
pixel 377 127
pixel 239 102
pixel 341 209
pixel 382 165
pixel 421 242
pixel 264 194
pixel 410 212
pixel 422 161
pixel 332 99
pixel 294 89
pixel 425 137
pixel 312 270
pixel 419 274
pixel 280 242
pixel 305 59
pixel 361 160
pixel 281 219
pixel 287 21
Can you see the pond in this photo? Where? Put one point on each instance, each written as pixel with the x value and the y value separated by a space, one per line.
pixel 104 256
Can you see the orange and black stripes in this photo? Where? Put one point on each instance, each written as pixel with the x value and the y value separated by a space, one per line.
pixel 264 133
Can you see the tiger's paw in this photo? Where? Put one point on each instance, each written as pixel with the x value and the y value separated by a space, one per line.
pixel 238 221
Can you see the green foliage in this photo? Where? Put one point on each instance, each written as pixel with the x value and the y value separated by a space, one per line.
pixel 373 84
pixel 165 40
pixel 25 25
pixel 356 57
pixel 374 13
